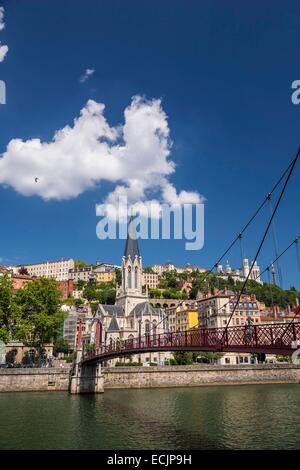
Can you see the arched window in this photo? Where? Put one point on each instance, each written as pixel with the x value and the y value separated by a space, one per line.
pixel 147 328
pixel 136 277
pixel 154 326
pixel 129 277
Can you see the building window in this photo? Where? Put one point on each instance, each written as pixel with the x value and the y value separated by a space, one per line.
pixel 227 360
pixel 136 277
pixel 129 277
pixel 147 328
pixel 154 326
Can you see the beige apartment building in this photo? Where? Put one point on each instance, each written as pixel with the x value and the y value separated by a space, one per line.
pixel 214 311
pixel 84 273
pixel 58 270
pixel 151 280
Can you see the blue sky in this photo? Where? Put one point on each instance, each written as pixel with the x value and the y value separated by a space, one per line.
pixel 223 72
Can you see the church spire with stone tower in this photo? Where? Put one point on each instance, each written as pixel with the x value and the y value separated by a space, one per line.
pixel 130 294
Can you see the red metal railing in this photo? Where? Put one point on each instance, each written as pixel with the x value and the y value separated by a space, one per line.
pixel 278 339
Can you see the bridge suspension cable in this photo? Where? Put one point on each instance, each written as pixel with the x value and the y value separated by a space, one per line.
pixel 297 252
pixel 266 269
pixel 288 171
pixel 275 242
pixel 260 207
pixel 291 169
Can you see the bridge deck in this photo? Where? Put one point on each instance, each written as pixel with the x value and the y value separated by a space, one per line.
pixel 282 339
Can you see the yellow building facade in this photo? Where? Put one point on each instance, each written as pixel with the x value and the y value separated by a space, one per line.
pixel 182 318
pixel 105 276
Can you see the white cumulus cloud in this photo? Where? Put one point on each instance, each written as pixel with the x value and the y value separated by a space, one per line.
pixel 3 48
pixel 3 52
pixel 87 74
pixel 2 24
pixel 134 156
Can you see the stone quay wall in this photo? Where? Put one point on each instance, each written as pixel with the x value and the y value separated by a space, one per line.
pixel 34 380
pixel 25 380
pixel 198 375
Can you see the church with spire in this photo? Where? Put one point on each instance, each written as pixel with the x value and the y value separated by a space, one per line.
pixel 132 315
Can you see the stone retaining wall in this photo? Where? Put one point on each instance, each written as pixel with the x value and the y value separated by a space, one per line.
pixel 183 376
pixel 34 380
pixel 12 380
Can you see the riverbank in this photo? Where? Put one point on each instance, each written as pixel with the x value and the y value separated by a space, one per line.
pixel 25 380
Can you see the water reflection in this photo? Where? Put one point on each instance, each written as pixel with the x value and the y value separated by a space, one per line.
pixel 229 417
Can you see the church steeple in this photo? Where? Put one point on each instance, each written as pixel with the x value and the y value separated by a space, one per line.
pixel 132 263
pixel 131 247
pixel 131 292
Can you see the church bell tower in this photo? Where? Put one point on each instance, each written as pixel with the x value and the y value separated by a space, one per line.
pixel 131 293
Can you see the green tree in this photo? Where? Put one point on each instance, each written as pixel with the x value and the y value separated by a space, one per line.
pixel 79 285
pixel 154 293
pixel 78 302
pixel 148 269
pixel 61 346
pixel 23 270
pixel 207 357
pixel 183 357
pixel 8 308
pixel 41 317
pixel 80 264
pixel 118 276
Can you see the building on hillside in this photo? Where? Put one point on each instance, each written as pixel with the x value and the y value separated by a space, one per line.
pixel 240 274
pixel 19 281
pixel 190 268
pixel 186 286
pixel 107 266
pixel 77 293
pixel 170 267
pixel 66 289
pixel 85 273
pixel 248 306
pixel 150 280
pixel 157 269
pixel 5 270
pixel 182 317
pixel 58 270
pixel 214 311
pixel 104 274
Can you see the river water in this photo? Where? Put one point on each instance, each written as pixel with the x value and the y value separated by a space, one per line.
pixel 223 417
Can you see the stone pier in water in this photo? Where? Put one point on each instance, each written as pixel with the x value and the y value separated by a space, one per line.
pixel 86 378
